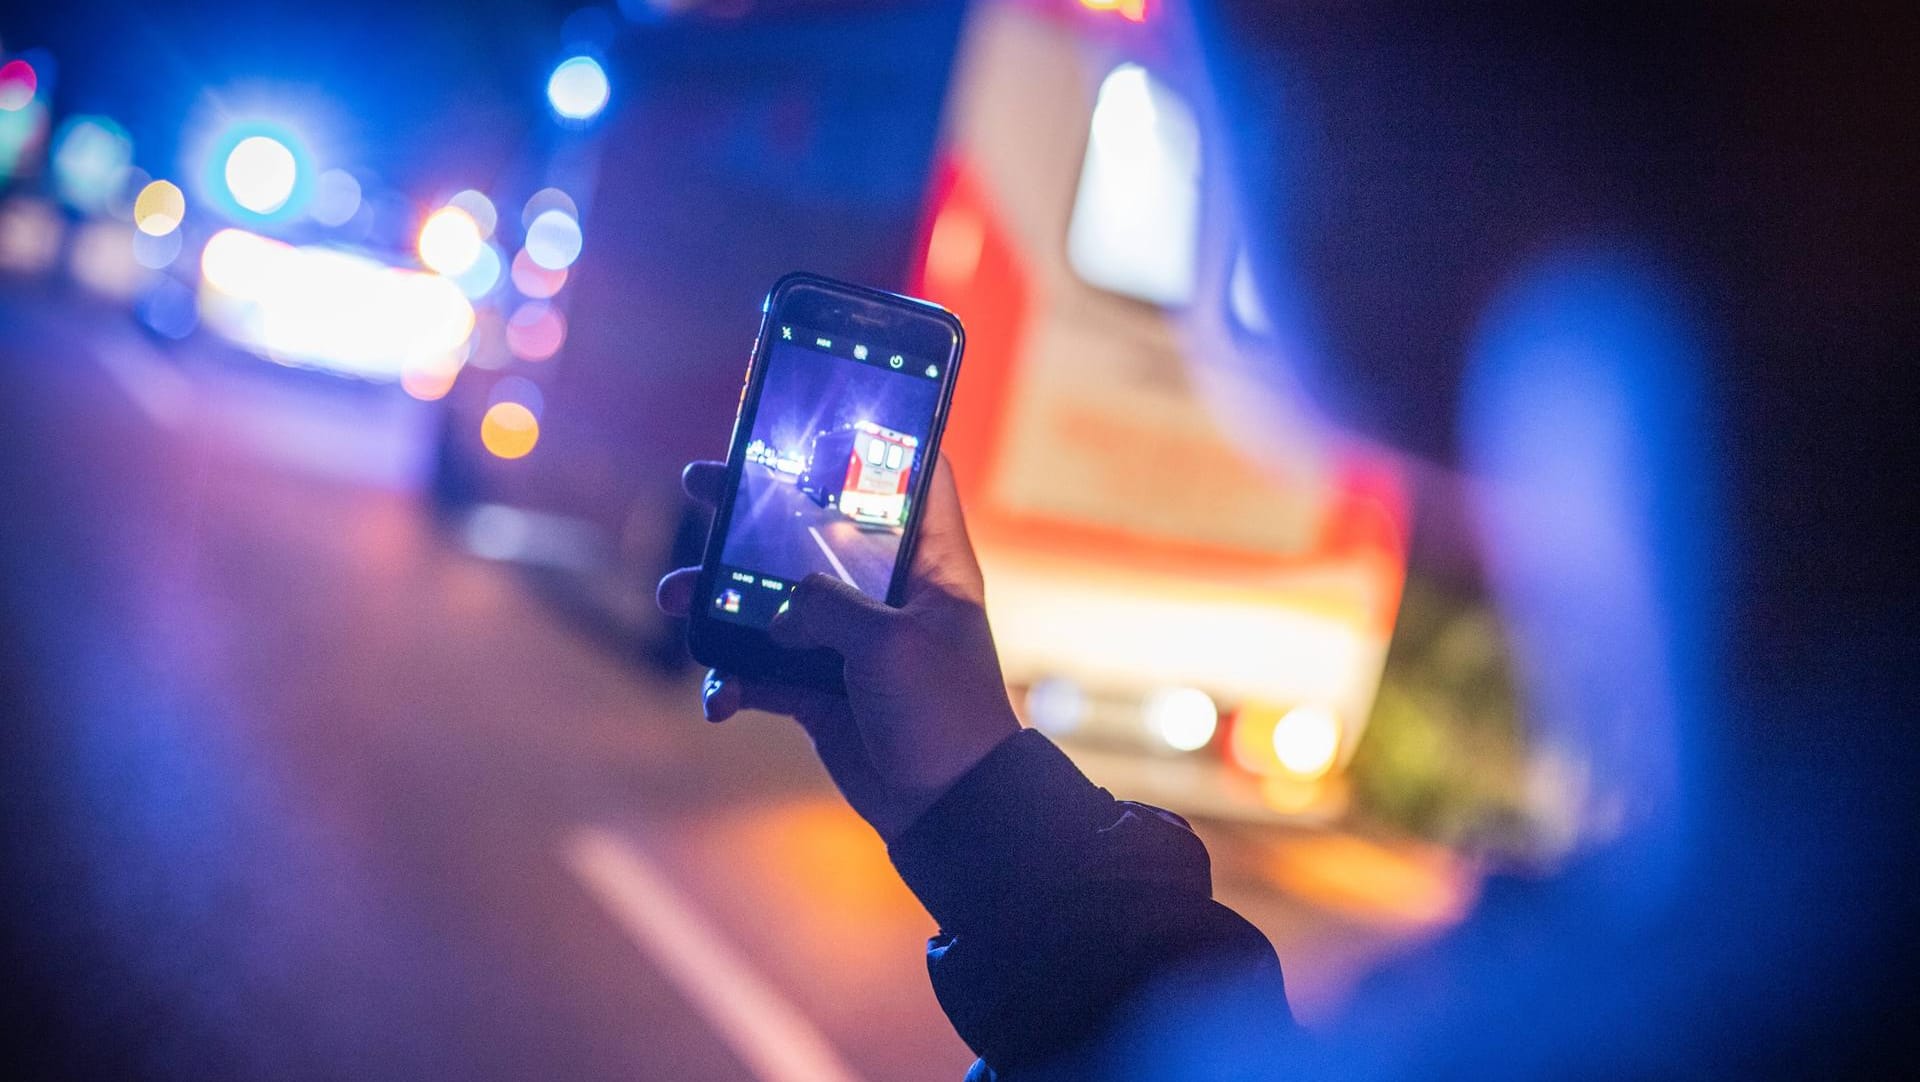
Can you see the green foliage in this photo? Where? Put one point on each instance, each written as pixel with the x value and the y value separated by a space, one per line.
pixel 1444 754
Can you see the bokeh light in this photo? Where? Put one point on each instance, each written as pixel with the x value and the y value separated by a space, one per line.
pixel 544 200
pixel 578 88
pixel 156 252
pixel 1130 10
pixel 1056 705
pixel 479 208
pixel 482 275
pixel 450 242
pixel 91 156
pixel 1306 740
pixel 332 308
pixel 235 261
pixel 430 379
pixel 509 430
pixel 536 331
pixel 159 208
pixel 168 309
pixel 336 198
pixel 553 240
pixel 18 81
pixel 31 232
pixel 260 172
pixel 102 259
pixel 1183 718
pixel 534 280
pixel 518 389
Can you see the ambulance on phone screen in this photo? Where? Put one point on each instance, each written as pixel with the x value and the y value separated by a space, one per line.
pixel 1192 583
pixel 864 470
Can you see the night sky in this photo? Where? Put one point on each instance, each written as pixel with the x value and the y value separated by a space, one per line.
pixel 806 391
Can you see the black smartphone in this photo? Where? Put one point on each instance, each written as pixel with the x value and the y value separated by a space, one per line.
pixel 832 455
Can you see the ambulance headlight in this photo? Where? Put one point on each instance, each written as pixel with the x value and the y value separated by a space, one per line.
pixel 1182 718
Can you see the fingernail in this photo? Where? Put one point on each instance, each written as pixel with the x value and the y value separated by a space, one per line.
pixel 707 692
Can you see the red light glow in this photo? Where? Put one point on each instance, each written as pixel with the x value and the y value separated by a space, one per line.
pixel 536 331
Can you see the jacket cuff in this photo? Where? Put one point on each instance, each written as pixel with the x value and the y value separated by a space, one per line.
pixel 1020 821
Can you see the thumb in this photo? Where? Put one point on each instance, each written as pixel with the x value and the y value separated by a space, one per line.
pixel 825 611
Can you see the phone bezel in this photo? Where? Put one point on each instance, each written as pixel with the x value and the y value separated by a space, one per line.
pixel 908 325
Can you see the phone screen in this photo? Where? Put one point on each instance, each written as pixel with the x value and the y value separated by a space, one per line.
pixel 833 454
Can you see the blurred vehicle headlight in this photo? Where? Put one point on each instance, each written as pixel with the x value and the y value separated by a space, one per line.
pixel 1302 742
pixel 450 241
pixel 1306 739
pixel 1183 718
pixel 331 308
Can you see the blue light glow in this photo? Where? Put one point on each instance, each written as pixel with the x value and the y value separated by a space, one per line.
pixel 578 88
pixel 482 274
pixel 91 156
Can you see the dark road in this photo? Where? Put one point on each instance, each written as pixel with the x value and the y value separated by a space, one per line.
pixel 778 530
pixel 299 789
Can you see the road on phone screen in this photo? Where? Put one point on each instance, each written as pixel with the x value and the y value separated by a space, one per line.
pixel 779 530
pixel 297 787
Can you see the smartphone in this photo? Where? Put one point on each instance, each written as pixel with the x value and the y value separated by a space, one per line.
pixel 832 454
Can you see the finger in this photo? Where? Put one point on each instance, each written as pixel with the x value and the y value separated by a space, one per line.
pixel 725 694
pixel 824 611
pixel 943 555
pixel 674 595
pixel 721 696
pixel 705 482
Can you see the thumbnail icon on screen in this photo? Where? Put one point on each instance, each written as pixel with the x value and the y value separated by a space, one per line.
pixel 728 601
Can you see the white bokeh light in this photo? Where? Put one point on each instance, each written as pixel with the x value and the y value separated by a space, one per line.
pixel 1183 718
pixel 553 240
pixel 261 172
pixel 450 241
pixel 578 88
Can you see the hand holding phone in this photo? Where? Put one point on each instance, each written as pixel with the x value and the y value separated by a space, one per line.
pixel 923 698
pixel 831 457
pixel 838 584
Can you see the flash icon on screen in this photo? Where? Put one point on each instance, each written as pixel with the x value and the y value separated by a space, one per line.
pixel 859 353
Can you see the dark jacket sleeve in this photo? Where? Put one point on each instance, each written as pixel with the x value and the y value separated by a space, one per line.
pixel 1071 923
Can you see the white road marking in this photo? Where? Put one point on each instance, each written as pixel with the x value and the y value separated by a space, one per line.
pixel 769 1034
pixel 838 567
pixel 160 392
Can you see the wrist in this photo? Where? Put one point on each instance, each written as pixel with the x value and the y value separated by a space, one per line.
pixel 939 773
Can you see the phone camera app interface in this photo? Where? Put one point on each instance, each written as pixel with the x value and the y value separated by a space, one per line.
pixel 832 460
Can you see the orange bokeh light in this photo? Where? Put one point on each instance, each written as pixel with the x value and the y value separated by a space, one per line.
pixel 1130 10
pixel 509 430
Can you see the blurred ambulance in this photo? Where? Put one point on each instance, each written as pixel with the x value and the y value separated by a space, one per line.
pixel 1192 584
